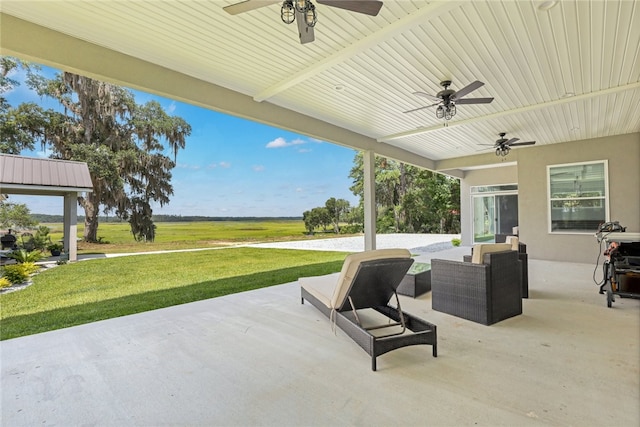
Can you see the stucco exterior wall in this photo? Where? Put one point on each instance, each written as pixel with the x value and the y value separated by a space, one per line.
pixel 623 155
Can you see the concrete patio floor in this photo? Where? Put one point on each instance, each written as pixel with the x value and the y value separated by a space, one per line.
pixel 262 358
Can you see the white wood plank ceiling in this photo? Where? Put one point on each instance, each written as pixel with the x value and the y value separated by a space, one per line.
pixel 567 73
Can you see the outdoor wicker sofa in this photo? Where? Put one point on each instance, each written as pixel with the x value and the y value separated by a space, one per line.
pixel 357 301
pixel 516 245
pixel 486 290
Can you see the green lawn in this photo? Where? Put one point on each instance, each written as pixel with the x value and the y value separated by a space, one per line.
pixel 88 291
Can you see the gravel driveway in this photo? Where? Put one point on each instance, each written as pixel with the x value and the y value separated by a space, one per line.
pixel 422 243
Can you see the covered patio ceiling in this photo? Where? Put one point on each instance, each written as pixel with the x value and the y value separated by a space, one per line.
pixel 562 74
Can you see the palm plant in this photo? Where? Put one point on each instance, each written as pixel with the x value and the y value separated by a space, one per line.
pixel 22 255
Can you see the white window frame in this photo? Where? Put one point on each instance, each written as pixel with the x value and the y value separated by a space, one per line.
pixel 605 197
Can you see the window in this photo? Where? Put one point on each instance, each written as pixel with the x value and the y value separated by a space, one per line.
pixel 494 188
pixel 578 200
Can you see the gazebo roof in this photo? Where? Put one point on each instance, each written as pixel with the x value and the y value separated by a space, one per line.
pixel 30 175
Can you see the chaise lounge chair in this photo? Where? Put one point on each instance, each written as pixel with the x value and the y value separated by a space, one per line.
pixel 360 293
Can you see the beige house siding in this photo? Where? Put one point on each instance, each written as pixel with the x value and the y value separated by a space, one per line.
pixel 622 153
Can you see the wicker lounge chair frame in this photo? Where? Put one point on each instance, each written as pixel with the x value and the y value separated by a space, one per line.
pixel 485 293
pixel 374 284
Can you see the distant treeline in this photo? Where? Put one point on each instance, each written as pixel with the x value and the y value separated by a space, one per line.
pixel 169 218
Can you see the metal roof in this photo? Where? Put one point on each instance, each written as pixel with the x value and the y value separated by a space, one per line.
pixel 568 73
pixel 29 175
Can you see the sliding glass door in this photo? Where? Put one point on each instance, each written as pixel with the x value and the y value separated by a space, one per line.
pixel 494 212
pixel 484 219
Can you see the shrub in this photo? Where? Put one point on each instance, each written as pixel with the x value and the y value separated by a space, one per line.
pixel 4 283
pixel 456 242
pixel 15 274
pixel 22 255
pixel 41 237
pixel 351 229
pixel 29 267
pixel 55 247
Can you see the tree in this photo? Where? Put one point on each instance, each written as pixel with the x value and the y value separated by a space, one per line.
pixel 15 215
pixel 433 203
pixel 336 208
pixel 390 185
pixel 316 217
pixel 410 199
pixel 122 142
pixel 19 126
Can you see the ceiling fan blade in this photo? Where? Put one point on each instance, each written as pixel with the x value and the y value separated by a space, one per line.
pixel 426 95
pixel 523 143
pixel 468 89
pixel 247 5
pixel 420 108
pixel 511 141
pixel 305 33
pixel 368 7
pixel 474 101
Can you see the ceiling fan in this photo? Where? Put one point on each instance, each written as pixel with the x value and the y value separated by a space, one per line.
pixel 504 145
pixel 304 11
pixel 447 99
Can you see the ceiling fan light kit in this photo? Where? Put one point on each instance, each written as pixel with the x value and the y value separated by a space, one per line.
pixel 446 113
pixel 304 7
pixel 502 151
pixel 447 99
pixel 503 145
pixel 287 12
pixel 305 11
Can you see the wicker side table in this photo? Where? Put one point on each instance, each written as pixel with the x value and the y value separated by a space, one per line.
pixel 417 281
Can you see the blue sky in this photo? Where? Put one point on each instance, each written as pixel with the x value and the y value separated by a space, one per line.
pixel 232 167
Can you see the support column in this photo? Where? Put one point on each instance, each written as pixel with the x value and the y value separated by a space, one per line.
pixel 466 213
pixel 70 241
pixel 369 163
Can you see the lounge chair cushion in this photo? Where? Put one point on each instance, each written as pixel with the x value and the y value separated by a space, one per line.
pixel 332 289
pixel 321 287
pixel 486 248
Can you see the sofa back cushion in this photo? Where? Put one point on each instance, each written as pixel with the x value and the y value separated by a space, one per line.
pixel 350 268
pixel 513 241
pixel 486 248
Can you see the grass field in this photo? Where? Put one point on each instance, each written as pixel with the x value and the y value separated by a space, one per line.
pixel 117 238
pixel 88 291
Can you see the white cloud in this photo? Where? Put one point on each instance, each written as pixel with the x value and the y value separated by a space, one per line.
pixel 188 166
pixel 171 108
pixel 225 165
pixel 280 142
pixel 277 143
pixel 258 168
